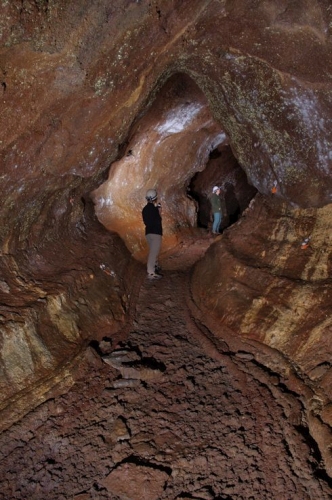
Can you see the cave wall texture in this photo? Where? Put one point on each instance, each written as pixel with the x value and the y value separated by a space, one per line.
pixel 151 88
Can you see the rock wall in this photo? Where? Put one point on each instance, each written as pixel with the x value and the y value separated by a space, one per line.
pixel 268 280
pixel 75 80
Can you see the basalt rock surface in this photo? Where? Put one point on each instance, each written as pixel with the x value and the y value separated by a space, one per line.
pixel 101 102
pixel 170 414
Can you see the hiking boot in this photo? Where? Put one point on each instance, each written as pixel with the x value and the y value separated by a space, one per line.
pixel 154 276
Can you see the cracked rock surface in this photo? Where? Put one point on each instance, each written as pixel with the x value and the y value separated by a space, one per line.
pixel 166 415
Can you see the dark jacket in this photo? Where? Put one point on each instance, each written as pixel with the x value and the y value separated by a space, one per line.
pixel 215 201
pixel 152 219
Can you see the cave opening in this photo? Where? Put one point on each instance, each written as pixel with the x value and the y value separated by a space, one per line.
pixel 177 147
pixel 222 169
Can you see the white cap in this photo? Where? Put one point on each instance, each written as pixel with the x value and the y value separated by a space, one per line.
pixel 215 189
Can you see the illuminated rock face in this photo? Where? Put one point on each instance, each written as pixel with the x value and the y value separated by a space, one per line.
pixel 166 148
pixel 143 93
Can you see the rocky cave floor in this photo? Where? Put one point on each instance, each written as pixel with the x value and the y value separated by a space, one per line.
pixel 165 415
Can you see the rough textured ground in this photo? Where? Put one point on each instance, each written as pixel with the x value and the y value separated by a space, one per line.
pixel 167 415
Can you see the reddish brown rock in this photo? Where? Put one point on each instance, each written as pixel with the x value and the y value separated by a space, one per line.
pixel 135 481
pixel 260 282
pixel 78 80
pixel 215 424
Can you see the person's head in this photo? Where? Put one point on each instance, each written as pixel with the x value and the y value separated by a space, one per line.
pixel 151 195
pixel 216 189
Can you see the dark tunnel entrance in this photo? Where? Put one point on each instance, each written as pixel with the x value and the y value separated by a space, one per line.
pixel 222 169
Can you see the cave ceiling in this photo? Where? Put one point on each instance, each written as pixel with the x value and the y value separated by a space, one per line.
pixel 101 101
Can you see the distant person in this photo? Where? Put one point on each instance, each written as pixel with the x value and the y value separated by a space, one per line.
pixel 151 215
pixel 216 205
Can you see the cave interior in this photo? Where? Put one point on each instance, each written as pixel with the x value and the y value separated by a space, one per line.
pixel 215 382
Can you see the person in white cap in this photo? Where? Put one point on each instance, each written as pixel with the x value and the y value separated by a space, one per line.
pixel 216 209
pixel 151 214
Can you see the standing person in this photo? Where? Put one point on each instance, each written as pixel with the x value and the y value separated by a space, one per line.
pixel 151 214
pixel 216 209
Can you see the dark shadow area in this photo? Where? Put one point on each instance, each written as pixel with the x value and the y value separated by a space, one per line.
pixel 222 169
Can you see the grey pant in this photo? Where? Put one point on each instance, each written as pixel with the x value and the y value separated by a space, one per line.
pixel 154 242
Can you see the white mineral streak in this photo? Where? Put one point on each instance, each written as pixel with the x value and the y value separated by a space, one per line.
pixel 179 118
